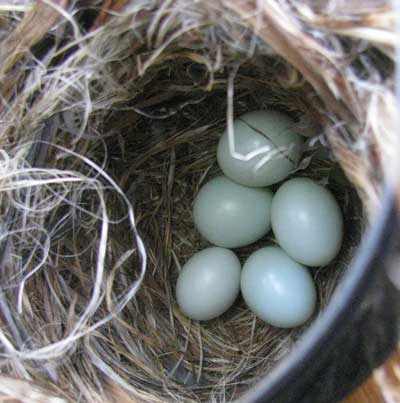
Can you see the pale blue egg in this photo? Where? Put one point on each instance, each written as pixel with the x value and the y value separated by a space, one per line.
pixel 277 289
pixel 271 131
pixel 208 283
pixel 231 215
pixel 307 222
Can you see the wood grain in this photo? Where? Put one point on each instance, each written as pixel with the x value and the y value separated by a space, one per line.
pixel 383 386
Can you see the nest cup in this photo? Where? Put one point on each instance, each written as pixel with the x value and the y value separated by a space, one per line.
pixel 110 125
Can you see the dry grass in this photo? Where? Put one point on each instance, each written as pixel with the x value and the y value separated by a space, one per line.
pixel 109 120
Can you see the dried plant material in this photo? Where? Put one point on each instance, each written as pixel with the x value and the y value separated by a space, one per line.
pixel 110 113
pixel 14 391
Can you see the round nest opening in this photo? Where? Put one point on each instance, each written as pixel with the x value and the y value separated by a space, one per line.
pixel 111 127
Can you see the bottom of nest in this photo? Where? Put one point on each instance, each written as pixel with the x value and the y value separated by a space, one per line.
pixel 176 358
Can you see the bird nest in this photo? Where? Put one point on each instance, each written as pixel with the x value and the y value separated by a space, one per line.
pixel 110 114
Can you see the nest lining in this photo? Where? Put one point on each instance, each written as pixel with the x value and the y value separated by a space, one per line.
pixel 127 128
pixel 223 356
